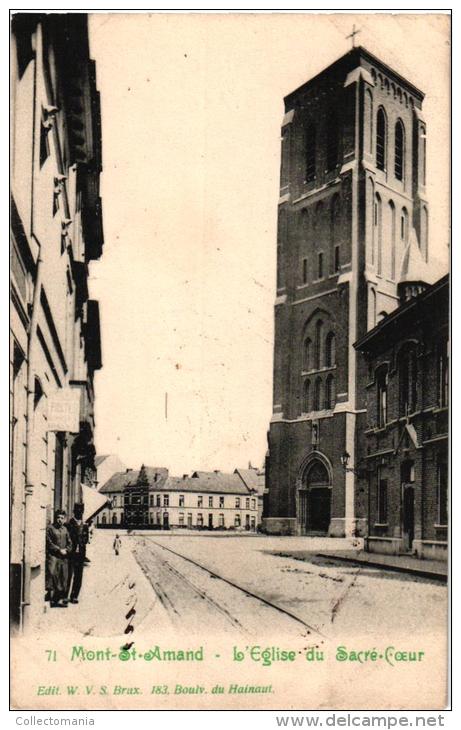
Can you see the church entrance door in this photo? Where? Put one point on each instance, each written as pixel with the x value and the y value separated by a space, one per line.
pixel 317 499
pixel 319 509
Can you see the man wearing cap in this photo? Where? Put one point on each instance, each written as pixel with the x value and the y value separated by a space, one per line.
pixel 78 532
pixel 58 549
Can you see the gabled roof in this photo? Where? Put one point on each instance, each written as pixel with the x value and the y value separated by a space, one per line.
pixel 118 481
pixel 217 481
pixel 252 478
pixel 200 482
pixel 156 477
pixel 413 266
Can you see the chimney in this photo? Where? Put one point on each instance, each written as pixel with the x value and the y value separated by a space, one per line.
pixel 184 476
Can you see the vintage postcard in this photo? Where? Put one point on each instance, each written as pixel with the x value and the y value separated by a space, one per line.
pixel 229 330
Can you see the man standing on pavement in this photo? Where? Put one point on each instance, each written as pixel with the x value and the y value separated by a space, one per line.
pixel 58 549
pixel 78 532
pixel 117 544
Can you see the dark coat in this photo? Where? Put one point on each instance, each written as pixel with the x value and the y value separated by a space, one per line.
pixel 78 532
pixel 57 539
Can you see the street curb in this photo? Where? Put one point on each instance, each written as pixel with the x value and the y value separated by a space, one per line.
pixel 441 577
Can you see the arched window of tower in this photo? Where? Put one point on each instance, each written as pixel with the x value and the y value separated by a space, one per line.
pixel 330 350
pixel 422 154
pixel 329 393
pixel 381 139
pixel 307 354
pixel 390 240
pixel 399 157
pixel 318 344
pixel 318 223
pixel 404 226
pixel 368 142
pixel 378 232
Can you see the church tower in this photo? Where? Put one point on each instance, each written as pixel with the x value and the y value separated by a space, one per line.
pixel 352 199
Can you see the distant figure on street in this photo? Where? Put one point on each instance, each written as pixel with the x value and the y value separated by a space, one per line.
pixel 90 530
pixel 117 544
pixel 58 549
pixel 78 532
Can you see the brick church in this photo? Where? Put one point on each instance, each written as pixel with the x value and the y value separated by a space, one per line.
pixel 352 211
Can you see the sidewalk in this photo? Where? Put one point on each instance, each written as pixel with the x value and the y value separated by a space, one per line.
pixel 112 586
pixel 434 569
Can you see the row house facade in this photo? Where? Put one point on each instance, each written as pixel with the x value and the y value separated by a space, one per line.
pixel 56 231
pixel 405 472
pixel 150 498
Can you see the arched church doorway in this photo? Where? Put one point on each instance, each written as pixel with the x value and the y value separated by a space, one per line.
pixel 316 498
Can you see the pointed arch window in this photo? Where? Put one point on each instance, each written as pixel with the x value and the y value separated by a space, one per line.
pixel 423 154
pixel 378 231
pixel 381 133
pixel 307 354
pixel 310 152
pixel 318 394
pixel 330 350
pixel 318 344
pixel 329 393
pixel 391 223
pixel 318 220
pixel 404 225
pixel 369 119
pixel 306 396
pixel 399 158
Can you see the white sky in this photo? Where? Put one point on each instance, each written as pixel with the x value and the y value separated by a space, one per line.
pixel 191 113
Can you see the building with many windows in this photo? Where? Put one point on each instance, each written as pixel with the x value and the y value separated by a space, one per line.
pixel 352 204
pixel 150 498
pixel 406 433
pixel 56 231
pixel 255 480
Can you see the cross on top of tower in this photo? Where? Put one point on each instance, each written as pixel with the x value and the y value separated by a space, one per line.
pixel 352 35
